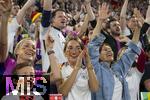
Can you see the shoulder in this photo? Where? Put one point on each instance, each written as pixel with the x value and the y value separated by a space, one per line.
pixel 11 96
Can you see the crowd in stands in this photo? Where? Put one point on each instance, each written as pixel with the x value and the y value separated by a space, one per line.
pixel 81 49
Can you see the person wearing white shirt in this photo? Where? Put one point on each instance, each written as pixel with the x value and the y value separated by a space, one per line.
pixel 58 19
pixel 79 78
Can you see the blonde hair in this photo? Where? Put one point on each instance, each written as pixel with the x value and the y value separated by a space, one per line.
pixel 20 44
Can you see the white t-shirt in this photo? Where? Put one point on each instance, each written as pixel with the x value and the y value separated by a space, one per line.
pixel 12 29
pixel 117 94
pixel 58 47
pixel 133 78
pixel 80 89
pixel 126 31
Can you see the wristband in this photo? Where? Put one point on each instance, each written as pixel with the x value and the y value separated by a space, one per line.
pixel 50 52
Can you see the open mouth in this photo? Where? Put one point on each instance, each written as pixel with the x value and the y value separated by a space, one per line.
pixel 109 55
pixel 63 22
pixel 29 53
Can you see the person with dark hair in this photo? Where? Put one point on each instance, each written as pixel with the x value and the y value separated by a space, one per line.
pixel 55 21
pixel 111 75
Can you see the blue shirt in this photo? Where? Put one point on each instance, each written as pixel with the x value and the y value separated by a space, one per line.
pixel 105 73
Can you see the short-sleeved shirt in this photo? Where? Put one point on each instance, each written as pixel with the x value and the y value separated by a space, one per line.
pixel 80 89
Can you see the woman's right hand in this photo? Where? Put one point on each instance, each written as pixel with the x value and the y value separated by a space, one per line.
pixel 79 60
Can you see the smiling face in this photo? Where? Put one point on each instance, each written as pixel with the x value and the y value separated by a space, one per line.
pixel 73 49
pixel 60 20
pixel 106 53
pixel 26 50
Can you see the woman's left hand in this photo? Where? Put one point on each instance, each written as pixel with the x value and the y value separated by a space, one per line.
pixel 87 58
pixel 49 41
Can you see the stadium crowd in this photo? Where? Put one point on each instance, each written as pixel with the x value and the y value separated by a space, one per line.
pixel 83 49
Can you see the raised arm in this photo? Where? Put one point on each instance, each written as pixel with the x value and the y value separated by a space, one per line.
pixel 123 22
pixel 46 14
pixel 139 16
pixel 93 83
pixel 84 26
pixel 147 20
pixel 47 5
pixel 89 9
pixel 97 39
pixel 5 7
pixel 89 17
pixel 103 15
pixel 129 56
pixel 67 84
pixel 21 14
pixel 55 70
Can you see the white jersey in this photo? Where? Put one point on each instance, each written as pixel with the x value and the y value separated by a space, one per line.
pixel 58 47
pixel 80 89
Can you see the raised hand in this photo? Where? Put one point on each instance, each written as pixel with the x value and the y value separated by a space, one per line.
pixel 79 60
pixel 137 13
pixel 136 34
pixel 87 1
pixel 87 57
pixel 139 16
pixel 5 6
pixel 103 11
pixel 49 41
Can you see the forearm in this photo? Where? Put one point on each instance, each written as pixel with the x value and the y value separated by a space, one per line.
pixel 123 15
pixel 3 38
pixel 93 48
pixel 22 12
pixel 54 67
pixel 93 83
pixel 148 11
pixel 124 9
pixel 90 11
pixel 67 85
pixel 98 28
pixel 84 26
pixel 47 5
pixel 136 36
pixel 127 59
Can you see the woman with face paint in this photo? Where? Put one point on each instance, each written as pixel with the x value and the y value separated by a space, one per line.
pixel 78 79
